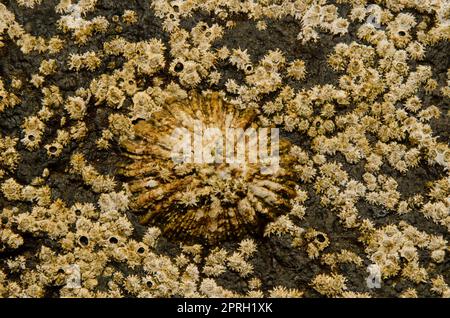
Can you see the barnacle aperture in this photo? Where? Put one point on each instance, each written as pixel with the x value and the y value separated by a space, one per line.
pixel 200 199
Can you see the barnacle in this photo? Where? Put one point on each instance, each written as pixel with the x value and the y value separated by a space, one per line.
pixel 92 132
pixel 203 198
pixel 297 69
pixel 129 17
pixel 88 60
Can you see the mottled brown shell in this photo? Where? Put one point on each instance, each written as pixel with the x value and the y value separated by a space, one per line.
pixel 199 201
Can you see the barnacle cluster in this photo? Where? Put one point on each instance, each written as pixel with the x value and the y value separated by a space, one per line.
pixel 204 195
pixel 98 199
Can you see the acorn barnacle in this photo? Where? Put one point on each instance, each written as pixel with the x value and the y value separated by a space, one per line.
pixel 201 169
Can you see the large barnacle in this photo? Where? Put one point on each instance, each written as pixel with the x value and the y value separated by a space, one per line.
pixel 204 190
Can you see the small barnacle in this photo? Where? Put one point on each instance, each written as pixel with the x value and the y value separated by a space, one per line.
pixel 283 292
pixel 100 183
pixel 403 207
pixel 103 142
pixel 9 156
pixel 171 23
pixel 261 25
pixel 12 190
pixel 430 85
pixel 146 56
pixel 210 288
pixel 221 198
pixel 133 284
pixel 182 260
pixel 308 34
pixel 329 285
pixel 237 263
pixel 399 35
pixel 440 189
pixel 374 162
pixel 115 97
pixel 438 256
pixel 247 247
pixel 129 17
pixel 318 241
pixel 115 46
pixel 88 60
pixel 16 265
pixel 187 72
pixel 37 80
pixel 28 3
pixel 47 67
pixel 440 287
pixel 351 294
pixel 230 24
pixel 26 41
pixel 265 79
pixel 52 96
pixel 248 69
pixel 128 84
pixel 202 33
pixel 273 60
pixel 113 201
pixel 214 78
pixel 328 13
pixel 282 225
pixel 416 50
pixel 16 83
pixel 215 262
pixel 357 13
pixel 429 113
pixel 306 172
pixel 83 239
pixel 413 272
pixel 63 6
pixel 297 70
pixel 45 113
pixel 339 26
pixel 231 86
pixel 239 58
